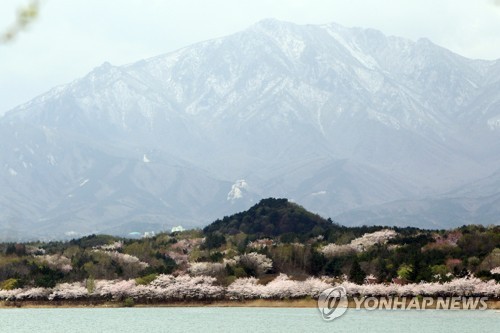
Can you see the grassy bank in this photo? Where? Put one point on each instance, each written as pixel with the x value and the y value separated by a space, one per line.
pixel 492 304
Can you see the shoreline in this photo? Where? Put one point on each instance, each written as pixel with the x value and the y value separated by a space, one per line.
pixel 493 304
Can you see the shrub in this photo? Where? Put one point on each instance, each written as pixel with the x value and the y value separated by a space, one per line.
pixel 10 284
pixel 128 302
pixel 145 280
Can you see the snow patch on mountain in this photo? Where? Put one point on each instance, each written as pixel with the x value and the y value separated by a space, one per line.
pixel 51 160
pixel 237 190
pixel 385 119
pixel 494 123
pixel 352 47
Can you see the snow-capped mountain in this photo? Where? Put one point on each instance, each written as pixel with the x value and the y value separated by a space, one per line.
pixel 341 120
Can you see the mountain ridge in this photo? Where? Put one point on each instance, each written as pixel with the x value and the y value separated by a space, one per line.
pixel 338 118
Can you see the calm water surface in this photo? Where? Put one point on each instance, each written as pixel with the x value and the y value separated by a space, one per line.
pixel 206 319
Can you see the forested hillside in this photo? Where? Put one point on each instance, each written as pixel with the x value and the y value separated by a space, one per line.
pixel 274 240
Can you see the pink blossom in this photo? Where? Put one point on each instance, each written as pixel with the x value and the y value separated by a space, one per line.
pixel 185 287
pixel 110 247
pixel 245 288
pixel 281 287
pixel 75 290
pixel 34 293
pixel 495 270
pixel 261 243
pixel 56 261
pixel 178 257
pixel 456 287
pixel 125 259
pixel 359 244
pixel 116 289
pixel 207 268
pixel 258 262
pixel 10 294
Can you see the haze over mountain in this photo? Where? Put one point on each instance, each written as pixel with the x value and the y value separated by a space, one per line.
pixel 348 122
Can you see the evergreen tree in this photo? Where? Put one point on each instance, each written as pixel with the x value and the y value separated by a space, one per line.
pixel 356 274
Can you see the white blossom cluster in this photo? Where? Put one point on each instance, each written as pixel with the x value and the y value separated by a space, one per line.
pixel 187 245
pixel 35 250
pixel 468 286
pixel 73 290
pixel 124 259
pixel 359 244
pixel 260 263
pixel 56 261
pixel 261 244
pixel 334 250
pixel 206 268
pixel 185 287
pixel 110 247
pixel 495 270
pixel 164 287
pixel 25 294
pixel 281 287
pixel 179 258
pixel 182 287
pixel 115 289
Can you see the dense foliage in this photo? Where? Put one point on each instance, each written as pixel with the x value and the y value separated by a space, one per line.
pixel 272 218
pixel 273 245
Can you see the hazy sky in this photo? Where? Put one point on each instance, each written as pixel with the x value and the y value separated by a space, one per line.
pixel 70 38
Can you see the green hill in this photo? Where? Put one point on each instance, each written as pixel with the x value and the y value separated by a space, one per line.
pixel 270 218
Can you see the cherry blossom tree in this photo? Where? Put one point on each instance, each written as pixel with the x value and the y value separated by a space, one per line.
pixel 207 268
pixel 110 247
pixel 334 250
pixel 467 286
pixel 38 293
pixel 261 244
pixel 495 270
pixel 367 240
pixel 75 290
pixel 245 288
pixel 279 288
pixel 56 261
pixel 125 259
pixel 259 263
pixel 113 289
pixel 10 294
pixel 360 244
pixel 186 287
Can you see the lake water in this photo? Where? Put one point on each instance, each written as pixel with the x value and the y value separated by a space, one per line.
pixel 210 319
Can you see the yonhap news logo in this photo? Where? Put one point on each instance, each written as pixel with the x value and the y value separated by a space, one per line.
pixel 332 303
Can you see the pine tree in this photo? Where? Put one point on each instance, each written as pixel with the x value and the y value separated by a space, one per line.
pixel 356 274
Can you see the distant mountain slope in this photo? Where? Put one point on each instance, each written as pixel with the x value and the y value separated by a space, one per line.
pixel 338 119
pixel 477 203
